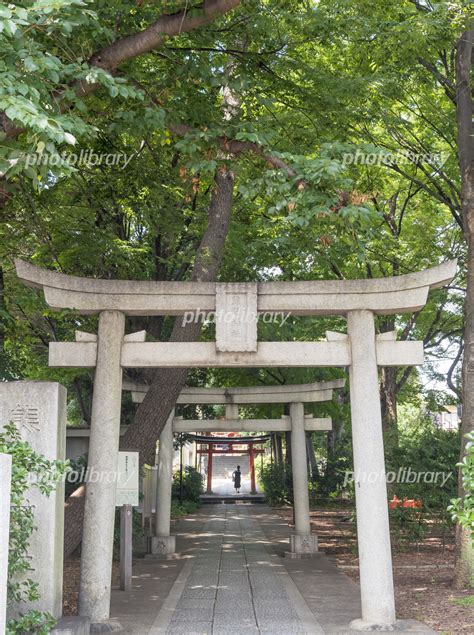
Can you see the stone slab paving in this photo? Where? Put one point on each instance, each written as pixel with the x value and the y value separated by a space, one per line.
pixel 233 585
pixel 232 579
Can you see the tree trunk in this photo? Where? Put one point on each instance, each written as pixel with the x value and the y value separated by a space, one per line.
pixel 388 387
pixel 464 571
pixel 278 448
pixel 3 358
pixel 288 459
pixel 286 412
pixel 388 395
pixel 311 457
pixel 153 412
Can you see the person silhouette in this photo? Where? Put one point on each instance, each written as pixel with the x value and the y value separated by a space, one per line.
pixel 236 477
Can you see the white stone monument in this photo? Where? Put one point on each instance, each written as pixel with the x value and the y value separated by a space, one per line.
pixel 38 408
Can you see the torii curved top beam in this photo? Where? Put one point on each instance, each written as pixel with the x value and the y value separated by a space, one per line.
pixel 292 393
pixel 383 296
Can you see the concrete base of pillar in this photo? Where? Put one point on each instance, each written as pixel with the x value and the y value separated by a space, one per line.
pixel 405 626
pixel 72 626
pixel 302 546
pixel 163 545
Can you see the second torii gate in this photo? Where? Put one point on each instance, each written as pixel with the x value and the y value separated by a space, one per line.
pixel 296 395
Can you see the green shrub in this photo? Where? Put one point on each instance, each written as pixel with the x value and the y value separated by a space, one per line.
pixel 333 474
pixel 192 487
pixel 462 509
pixel 426 449
pixel 29 469
pixel 178 510
pixel 274 481
pixel 408 527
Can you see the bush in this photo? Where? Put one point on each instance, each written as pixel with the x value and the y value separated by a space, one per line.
pixel 462 509
pixel 409 525
pixel 192 485
pixel 425 450
pixel 275 484
pixel 429 450
pixel 29 469
pixel 333 472
pixel 178 510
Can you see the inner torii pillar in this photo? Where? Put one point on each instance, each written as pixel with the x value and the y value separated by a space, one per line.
pixel 302 542
pixel 253 485
pixel 163 543
pixel 210 448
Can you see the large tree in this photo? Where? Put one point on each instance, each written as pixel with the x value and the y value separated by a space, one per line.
pixel 270 183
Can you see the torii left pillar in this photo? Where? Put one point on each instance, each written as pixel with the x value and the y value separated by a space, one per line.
pixel 99 512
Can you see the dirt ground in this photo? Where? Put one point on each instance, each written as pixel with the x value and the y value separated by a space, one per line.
pixel 72 568
pixel 423 576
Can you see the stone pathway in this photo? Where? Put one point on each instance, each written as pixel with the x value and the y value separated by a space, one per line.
pixel 235 586
pixel 231 578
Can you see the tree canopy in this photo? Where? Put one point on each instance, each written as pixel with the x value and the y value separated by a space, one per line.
pixel 329 135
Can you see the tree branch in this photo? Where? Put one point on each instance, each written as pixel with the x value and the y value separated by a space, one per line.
pixel 235 147
pixel 136 44
pixel 145 41
pixel 449 377
pixel 447 84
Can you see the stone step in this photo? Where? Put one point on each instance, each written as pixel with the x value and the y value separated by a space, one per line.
pixel 232 498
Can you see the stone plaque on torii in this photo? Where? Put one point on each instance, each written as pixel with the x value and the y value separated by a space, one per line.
pixel 361 350
pixel 295 395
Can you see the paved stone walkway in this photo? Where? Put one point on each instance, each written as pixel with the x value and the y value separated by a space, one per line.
pixel 231 578
pixel 233 586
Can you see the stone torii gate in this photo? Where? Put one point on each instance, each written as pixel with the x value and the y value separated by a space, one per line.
pixel 237 345
pixel 295 395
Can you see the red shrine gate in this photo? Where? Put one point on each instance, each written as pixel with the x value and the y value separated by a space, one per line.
pixel 230 444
